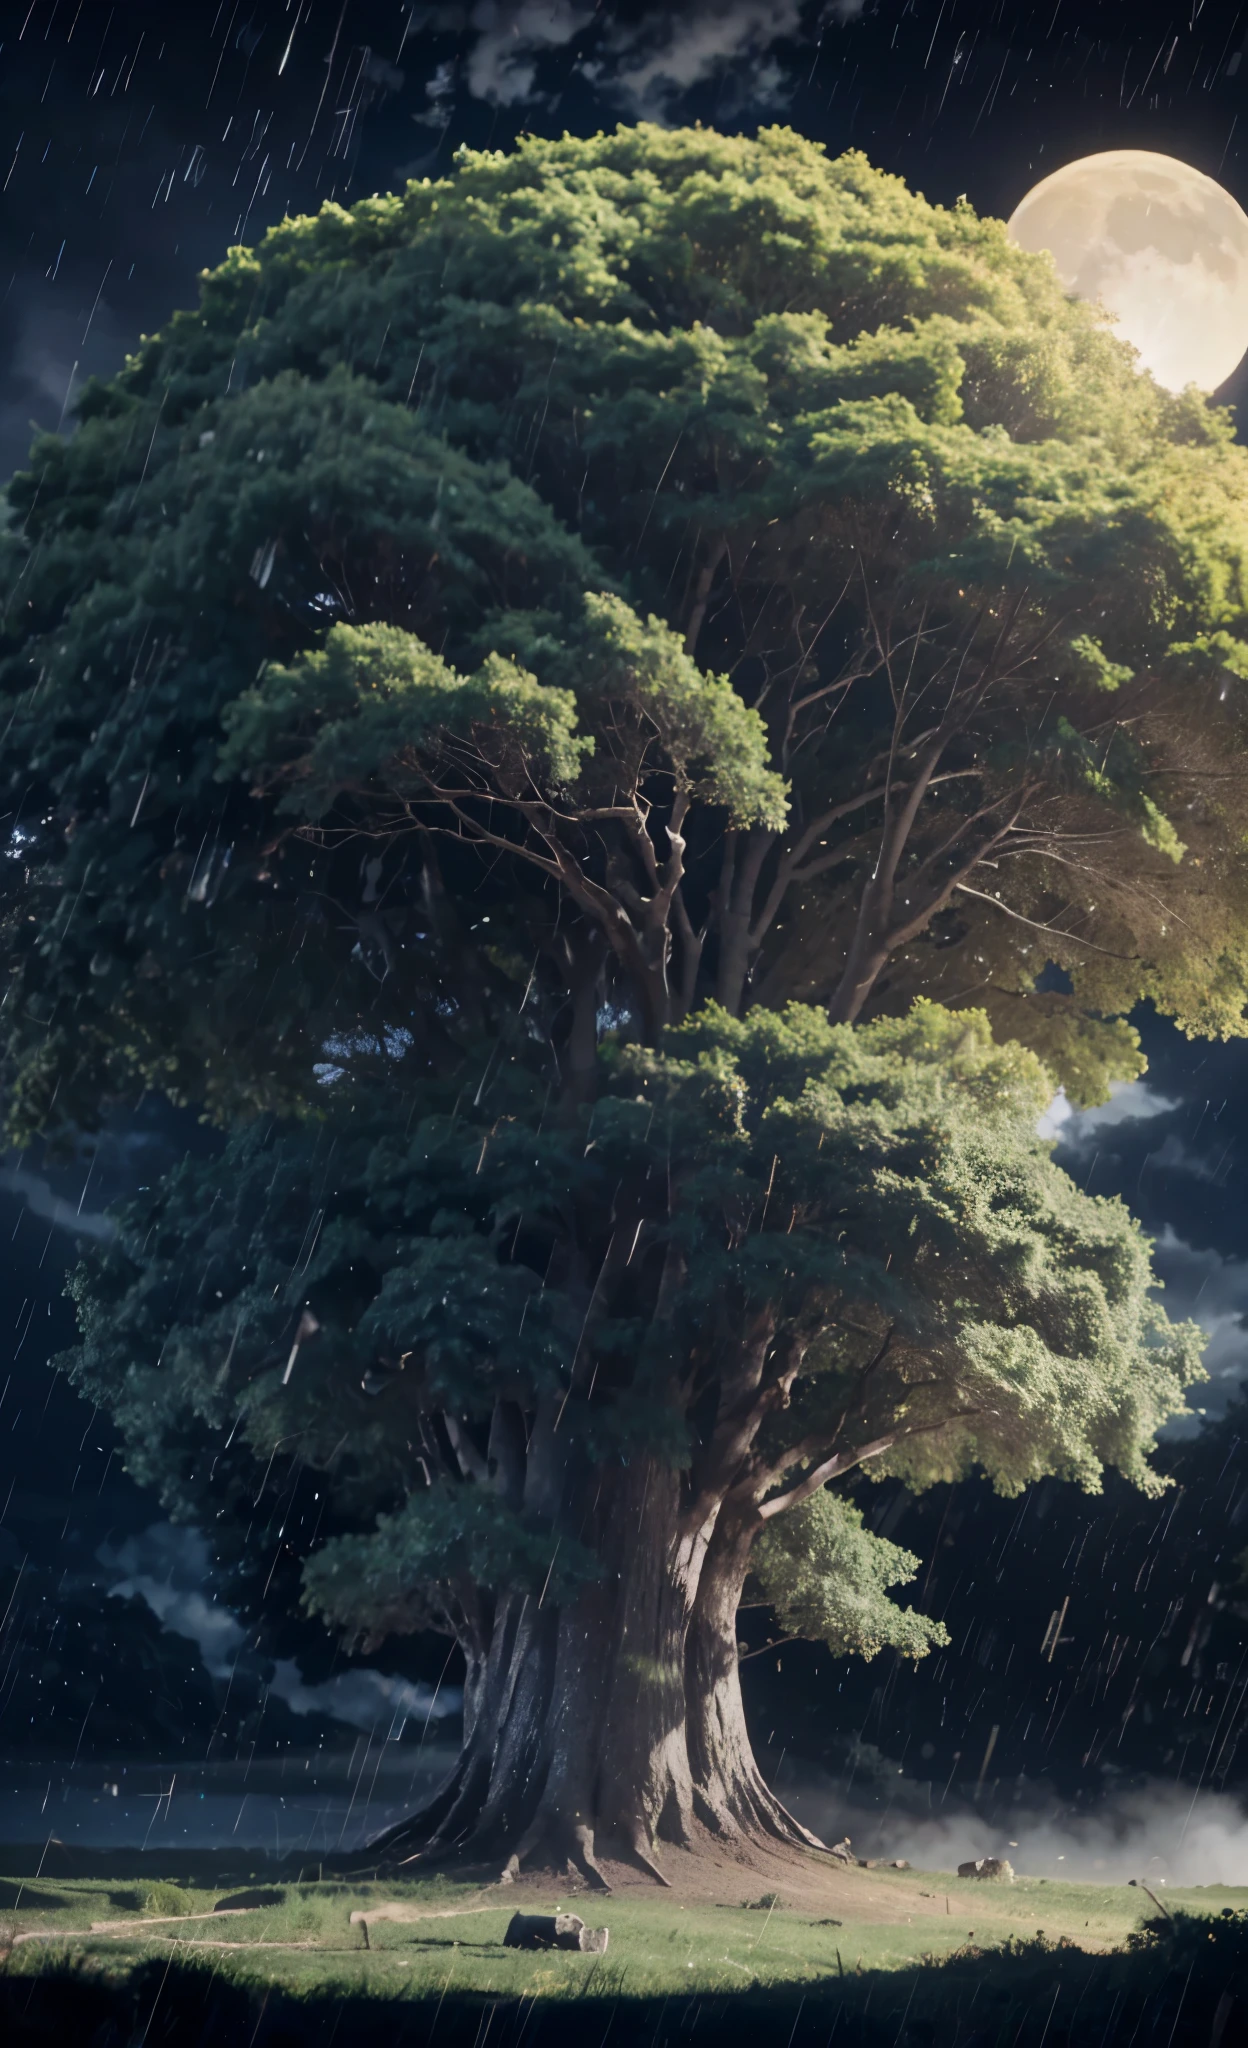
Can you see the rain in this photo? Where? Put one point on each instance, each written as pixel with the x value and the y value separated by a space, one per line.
pixel 1084 1708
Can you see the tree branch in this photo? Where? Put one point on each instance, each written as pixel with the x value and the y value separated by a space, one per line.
pixel 1053 931
pixel 840 1462
pixel 471 1463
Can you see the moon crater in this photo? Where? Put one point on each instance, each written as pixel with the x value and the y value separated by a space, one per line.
pixel 1163 247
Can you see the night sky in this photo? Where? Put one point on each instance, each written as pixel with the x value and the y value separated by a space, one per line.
pixel 137 143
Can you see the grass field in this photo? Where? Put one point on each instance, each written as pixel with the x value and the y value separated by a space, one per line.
pixel 905 1943
pixel 443 1933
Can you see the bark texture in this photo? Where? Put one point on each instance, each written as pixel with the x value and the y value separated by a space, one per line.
pixel 613 1725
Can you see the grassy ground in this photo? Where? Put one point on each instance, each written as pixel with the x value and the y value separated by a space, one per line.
pixel 905 1943
pixel 433 1934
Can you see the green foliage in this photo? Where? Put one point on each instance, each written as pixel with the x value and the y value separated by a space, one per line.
pixel 1089 660
pixel 369 711
pixel 827 1578
pixel 407 1307
pixel 163 1899
pixel 482 692
pixel 661 485
pixel 902 1157
pixel 369 1586
pixel 1095 1967
pixel 376 693
pixel 699 719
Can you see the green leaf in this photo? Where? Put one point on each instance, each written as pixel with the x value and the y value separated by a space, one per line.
pixel 828 1577
pixel 374 700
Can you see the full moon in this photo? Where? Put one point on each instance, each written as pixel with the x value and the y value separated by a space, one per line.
pixel 1163 248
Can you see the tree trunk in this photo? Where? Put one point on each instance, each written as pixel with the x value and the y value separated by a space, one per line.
pixel 615 1724
pixel 744 858
pixel 732 1794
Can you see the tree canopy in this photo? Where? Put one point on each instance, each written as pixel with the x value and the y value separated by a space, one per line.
pixel 731 572
pixel 773 1252
pixel 565 707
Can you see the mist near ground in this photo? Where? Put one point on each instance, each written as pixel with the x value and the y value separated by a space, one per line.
pixel 1154 1831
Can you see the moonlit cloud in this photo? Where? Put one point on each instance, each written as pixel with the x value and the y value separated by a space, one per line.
pixel 699 43
pixel 1211 1290
pixel 365 1699
pixel 169 1568
pixel 646 66
pixel 1129 1102
pixel 511 35
pixel 188 1613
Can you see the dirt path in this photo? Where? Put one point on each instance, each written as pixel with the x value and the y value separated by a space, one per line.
pixel 134 1926
pixel 399 1909
pixel 813 1883
pixel 806 1883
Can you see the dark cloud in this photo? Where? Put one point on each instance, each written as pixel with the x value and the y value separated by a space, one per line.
pixel 508 39
pixel 1210 1288
pixel 170 1569
pixel 1167 1146
pixel 646 62
pixel 139 146
pixel 651 71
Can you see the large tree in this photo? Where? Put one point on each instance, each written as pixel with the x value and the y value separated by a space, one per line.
pixel 627 574
pixel 584 1374
pixel 776 582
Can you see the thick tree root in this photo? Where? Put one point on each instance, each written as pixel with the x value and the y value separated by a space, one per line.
pixel 640 1845
pixel 747 1810
pixel 425 1841
pixel 588 1738
pixel 570 1842
pixel 417 1832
